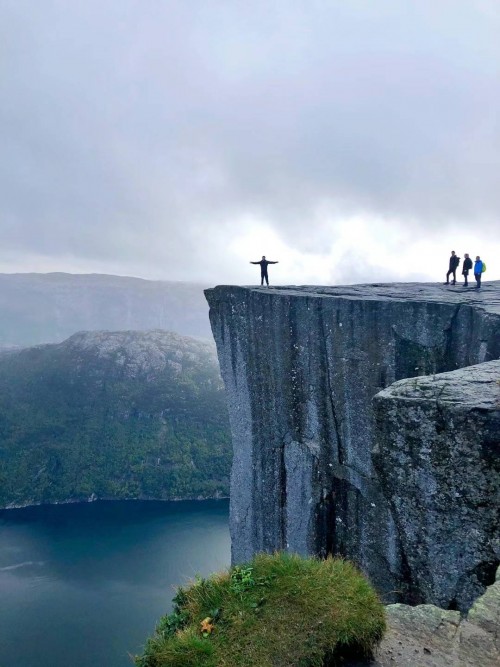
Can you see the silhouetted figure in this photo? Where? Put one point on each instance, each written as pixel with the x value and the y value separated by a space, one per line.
pixel 454 262
pixel 466 267
pixel 264 263
pixel 478 271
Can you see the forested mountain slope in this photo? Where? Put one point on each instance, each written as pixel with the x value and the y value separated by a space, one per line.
pixel 112 415
pixel 49 307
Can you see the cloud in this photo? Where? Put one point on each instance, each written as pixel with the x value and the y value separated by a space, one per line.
pixel 168 139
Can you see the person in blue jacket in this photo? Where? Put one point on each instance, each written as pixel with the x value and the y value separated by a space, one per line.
pixel 263 269
pixel 478 271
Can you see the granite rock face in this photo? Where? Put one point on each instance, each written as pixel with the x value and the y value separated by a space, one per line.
pixel 437 454
pixel 301 366
pixel 426 636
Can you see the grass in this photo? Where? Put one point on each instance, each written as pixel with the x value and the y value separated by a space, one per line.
pixel 277 611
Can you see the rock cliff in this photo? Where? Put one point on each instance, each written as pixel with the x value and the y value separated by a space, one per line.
pixel 437 453
pixel 301 366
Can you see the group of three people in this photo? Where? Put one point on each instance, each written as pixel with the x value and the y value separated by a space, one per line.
pixel 479 268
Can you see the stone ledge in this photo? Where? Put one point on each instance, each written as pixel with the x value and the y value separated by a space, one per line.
pixel 437 454
pixel 426 636
pixel 475 387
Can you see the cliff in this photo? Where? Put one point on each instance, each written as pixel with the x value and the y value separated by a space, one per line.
pixel 301 366
pixel 437 454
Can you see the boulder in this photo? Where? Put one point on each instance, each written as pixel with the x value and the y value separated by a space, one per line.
pixel 437 454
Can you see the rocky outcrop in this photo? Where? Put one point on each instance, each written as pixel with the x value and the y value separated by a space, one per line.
pixel 301 366
pixel 426 636
pixel 437 454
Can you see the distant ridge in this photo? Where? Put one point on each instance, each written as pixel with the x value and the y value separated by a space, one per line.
pixel 116 415
pixel 49 307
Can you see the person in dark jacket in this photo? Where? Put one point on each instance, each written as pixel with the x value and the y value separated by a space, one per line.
pixel 466 267
pixel 478 271
pixel 453 266
pixel 264 263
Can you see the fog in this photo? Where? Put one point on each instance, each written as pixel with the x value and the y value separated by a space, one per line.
pixel 352 141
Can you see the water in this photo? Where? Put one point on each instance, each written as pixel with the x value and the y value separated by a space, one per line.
pixel 83 585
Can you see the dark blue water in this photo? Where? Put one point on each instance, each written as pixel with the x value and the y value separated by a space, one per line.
pixel 83 585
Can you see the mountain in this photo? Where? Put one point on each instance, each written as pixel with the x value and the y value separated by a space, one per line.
pixel 112 415
pixel 47 308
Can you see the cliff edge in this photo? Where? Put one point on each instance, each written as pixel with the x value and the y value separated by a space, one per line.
pixel 301 366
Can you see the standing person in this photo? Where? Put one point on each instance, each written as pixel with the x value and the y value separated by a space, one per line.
pixel 264 263
pixel 478 271
pixel 467 266
pixel 453 266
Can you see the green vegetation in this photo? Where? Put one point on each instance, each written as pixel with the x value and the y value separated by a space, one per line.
pixel 277 611
pixel 118 415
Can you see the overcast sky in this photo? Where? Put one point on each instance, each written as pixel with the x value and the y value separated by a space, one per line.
pixel 351 140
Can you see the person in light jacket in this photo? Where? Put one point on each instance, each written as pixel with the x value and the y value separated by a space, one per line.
pixel 478 271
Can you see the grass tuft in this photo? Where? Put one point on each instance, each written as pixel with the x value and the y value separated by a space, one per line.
pixel 278 610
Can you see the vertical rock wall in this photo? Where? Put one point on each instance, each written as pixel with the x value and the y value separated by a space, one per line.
pixel 437 453
pixel 301 366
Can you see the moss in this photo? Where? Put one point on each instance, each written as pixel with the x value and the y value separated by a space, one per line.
pixel 277 611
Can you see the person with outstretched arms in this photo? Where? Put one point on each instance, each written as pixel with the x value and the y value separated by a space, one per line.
pixel 264 263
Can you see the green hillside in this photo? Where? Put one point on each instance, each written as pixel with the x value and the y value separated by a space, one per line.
pixel 112 415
